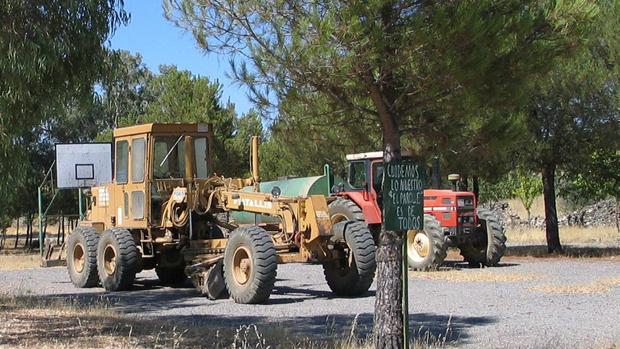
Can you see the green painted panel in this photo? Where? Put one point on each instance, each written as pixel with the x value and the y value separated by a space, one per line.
pixel 291 187
pixel 403 201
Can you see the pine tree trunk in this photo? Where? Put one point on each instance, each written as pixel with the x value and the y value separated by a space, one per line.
pixel 17 233
pixel 388 322
pixel 28 230
pixel 388 302
pixel 551 214
pixel 476 187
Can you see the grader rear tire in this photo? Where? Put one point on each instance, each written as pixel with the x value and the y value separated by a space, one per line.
pixel 117 259
pixel 82 257
pixel 353 273
pixel 490 246
pixel 343 209
pixel 427 249
pixel 250 265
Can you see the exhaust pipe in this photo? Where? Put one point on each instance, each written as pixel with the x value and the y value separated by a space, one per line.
pixel 255 167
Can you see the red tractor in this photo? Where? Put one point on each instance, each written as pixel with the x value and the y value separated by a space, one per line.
pixel 451 217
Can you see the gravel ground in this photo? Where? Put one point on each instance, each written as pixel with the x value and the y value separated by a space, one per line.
pixel 512 306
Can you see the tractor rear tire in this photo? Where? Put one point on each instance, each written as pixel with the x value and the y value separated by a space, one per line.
pixel 491 242
pixel 171 268
pixel 343 209
pixel 82 257
pixel 250 265
pixel 426 249
pixel 353 273
pixel 117 259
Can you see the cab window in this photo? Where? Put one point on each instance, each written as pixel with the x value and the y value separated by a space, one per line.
pixel 122 161
pixel 169 157
pixel 357 174
pixel 377 176
pixel 138 147
pixel 202 157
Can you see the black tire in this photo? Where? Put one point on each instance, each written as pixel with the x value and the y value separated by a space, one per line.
pixel 351 277
pixel 117 259
pixel 171 267
pixel 343 209
pixel 426 250
pixel 250 265
pixel 82 257
pixel 171 276
pixel 489 244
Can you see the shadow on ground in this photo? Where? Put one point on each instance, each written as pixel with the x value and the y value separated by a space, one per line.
pixel 148 296
pixel 457 265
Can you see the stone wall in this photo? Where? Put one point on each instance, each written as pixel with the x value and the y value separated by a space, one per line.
pixel 601 213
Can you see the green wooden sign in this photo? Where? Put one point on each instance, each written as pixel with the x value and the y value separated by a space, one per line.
pixel 403 195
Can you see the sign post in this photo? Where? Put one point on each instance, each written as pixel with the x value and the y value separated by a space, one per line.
pixel 403 210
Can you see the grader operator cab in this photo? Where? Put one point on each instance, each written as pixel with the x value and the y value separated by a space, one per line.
pixel 451 217
pixel 167 210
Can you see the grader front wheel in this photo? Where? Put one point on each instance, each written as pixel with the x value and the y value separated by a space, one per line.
pixel 117 259
pixel 250 265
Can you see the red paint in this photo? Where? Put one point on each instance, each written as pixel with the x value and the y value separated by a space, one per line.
pixel 369 206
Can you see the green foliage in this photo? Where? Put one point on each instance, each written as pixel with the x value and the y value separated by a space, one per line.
pixel 125 88
pixel 529 187
pixel 500 189
pixel 447 76
pixel 51 54
pixel 179 96
pixel 596 179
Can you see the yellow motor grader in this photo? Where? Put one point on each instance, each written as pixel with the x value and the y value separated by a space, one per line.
pixel 167 209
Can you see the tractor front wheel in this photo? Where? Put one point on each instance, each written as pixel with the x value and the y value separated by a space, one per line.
pixel 117 259
pixel 250 265
pixel 488 244
pixel 353 271
pixel 82 257
pixel 426 249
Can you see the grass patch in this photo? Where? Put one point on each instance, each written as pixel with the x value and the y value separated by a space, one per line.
pixel 568 235
pixel 29 321
pixel 18 261
pixel 598 286
pixel 455 275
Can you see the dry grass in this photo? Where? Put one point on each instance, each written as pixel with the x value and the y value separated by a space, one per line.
pixel 538 207
pixel 455 275
pixel 570 235
pixel 598 286
pixel 18 261
pixel 36 322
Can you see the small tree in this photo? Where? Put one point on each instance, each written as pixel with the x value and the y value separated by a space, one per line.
pixel 529 187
